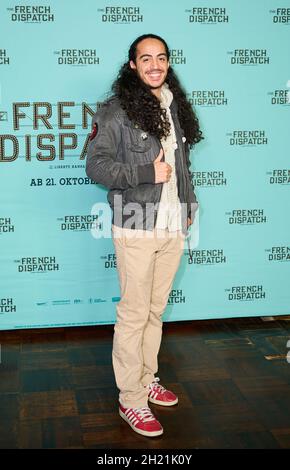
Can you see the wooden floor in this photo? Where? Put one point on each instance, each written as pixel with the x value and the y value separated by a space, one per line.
pixel 57 387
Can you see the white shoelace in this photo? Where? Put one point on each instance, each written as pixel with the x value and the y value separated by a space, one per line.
pixel 156 385
pixel 145 414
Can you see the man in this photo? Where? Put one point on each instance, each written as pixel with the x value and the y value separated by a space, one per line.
pixel 139 149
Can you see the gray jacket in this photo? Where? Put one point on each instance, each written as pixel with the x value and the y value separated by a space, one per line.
pixel 120 156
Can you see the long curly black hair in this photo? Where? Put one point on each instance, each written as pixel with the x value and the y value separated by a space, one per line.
pixel 143 107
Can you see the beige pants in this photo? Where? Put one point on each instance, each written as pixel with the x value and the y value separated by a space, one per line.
pixel 147 262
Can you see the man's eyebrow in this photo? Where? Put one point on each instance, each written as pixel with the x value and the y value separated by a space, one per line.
pixel 149 55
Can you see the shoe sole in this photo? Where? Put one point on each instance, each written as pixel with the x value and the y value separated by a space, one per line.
pixel 163 403
pixel 139 431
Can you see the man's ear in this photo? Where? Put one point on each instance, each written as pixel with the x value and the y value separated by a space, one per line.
pixel 132 65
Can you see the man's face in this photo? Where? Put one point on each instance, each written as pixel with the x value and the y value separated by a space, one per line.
pixel 151 63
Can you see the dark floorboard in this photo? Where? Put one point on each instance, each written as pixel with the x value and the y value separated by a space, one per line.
pixel 57 388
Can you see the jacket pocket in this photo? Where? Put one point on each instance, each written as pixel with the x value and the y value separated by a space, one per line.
pixel 137 140
pixel 143 193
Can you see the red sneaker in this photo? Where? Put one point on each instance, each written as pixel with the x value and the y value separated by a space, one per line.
pixel 141 420
pixel 159 395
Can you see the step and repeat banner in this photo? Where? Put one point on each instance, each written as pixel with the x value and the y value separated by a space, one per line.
pixel 58 59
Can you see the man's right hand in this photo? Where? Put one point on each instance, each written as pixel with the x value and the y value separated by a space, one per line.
pixel 162 169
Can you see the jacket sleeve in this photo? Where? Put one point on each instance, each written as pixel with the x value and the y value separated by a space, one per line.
pixel 101 165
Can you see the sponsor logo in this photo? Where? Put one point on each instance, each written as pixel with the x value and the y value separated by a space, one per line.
pixel 96 300
pixel 75 301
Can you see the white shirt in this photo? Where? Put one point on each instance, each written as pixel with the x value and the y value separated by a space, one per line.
pixel 169 211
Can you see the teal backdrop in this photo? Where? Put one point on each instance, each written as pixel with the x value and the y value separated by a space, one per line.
pixel 58 59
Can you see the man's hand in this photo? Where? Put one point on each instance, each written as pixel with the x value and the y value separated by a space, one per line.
pixel 162 169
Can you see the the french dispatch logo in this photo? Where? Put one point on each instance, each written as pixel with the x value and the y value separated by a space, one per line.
pixel 279 176
pixel 281 15
pixel 177 57
pixel 77 57
pixel 249 57
pixel 4 57
pixel 209 179
pixel 279 97
pixel 207 98
pixel 209 257
pixel 58 139
pixel 78 223
pixel 6 225
pixel 246 293
pixel 7 305
pixel 278 253
pixel 31 13
pixel 205 15
pixel 110 260
pixel 247 138
pixel 121 14
pixel 246 217
pixel 37 264
pixel 176 296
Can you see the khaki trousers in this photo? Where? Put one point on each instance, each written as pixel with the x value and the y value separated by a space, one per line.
pixel 147 262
